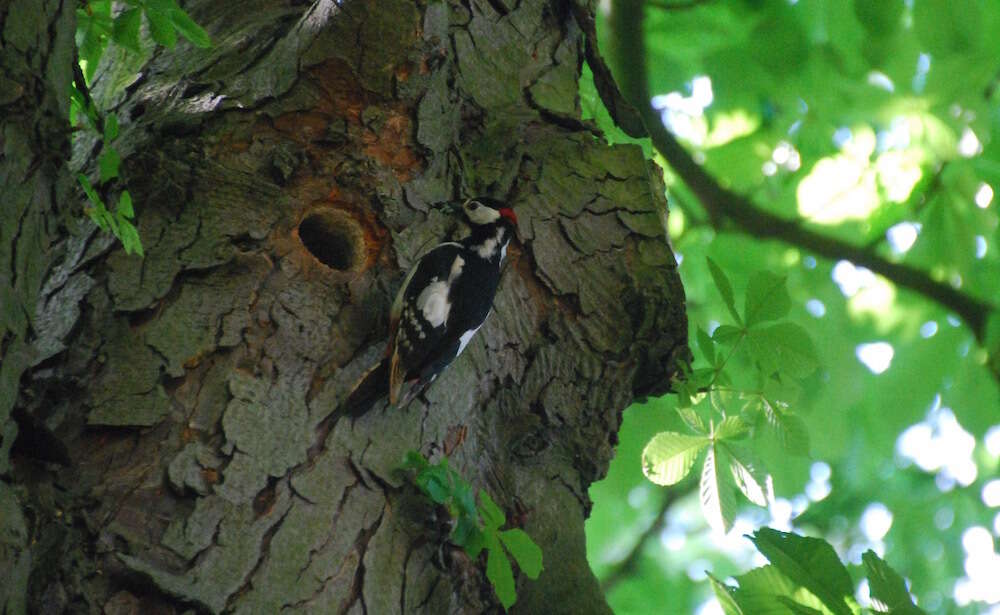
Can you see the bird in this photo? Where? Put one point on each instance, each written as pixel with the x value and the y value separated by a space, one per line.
pixel 445 298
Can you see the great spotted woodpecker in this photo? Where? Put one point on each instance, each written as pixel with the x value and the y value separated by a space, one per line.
pixel 444 300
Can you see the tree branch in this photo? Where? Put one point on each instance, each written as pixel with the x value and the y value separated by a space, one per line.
pixel 626 567
pixel 628 47
pixel 918 201
pixel 675 6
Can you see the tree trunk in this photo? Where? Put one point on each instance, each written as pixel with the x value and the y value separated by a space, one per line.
pixel 171 452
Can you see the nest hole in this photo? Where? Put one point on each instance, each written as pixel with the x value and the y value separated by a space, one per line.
pixel 334 239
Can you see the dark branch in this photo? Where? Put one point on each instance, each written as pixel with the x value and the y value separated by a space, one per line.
pixel 675 6
pixel 629 46
pixel 627 566
pixel 918 201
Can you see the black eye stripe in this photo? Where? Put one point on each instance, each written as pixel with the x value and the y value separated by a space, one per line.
pixel 473 205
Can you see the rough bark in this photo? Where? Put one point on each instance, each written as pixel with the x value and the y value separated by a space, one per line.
pixel 172 451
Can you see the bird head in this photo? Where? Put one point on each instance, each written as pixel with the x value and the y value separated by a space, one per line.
pixel 485 210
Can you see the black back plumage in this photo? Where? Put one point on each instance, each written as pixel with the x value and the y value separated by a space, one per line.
pixel 444 300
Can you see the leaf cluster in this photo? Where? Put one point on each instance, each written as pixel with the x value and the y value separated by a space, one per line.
pixel 721 414
pixel 846 118
pixel 477 528
pixel 120 221
pixel 805 577
pixel 165 19
pixel 96 27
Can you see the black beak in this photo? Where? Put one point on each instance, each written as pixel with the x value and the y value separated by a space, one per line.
pixel 450 207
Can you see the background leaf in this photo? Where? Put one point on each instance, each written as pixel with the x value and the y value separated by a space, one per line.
pixel 784 347
pixel 724 594
pixel 492 515
pixel 706 346
pixel 858 135
pixel 108 163
pixel 749 474
pixel 888 588
pixel 731 428
pixel 718 502
pixel 126 31
pixel 526 553
pixel 161 27
pixel 767 298
pixel 669 456
pixel 725 289
pixel 809 562
pixel 189 29
pixel 499 572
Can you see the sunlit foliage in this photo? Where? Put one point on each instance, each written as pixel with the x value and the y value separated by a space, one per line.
pixel 875 122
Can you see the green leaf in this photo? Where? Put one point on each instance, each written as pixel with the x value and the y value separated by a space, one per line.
pixel 492 515
pixel 437 489
pixel 706 345
pixel 702 377
pixel 499 572
pixel 798 608
pixel 527 554
pixel 731 428
pixel 790 429
pixel 413 460
pixel 93 27
pixel 108 163
pixel 767 298
pixel 129 236
pixel 691 419
pixel 748 472
pixel 89 113
pixel 88 189
pixel 724 287
pixel 764 581
pixel 463 531
pixel 718 502
pixel 683 391
pixel 475 542
pixel 669 456
pixel 126 30
pixel 110 128
pixel 727 334
pixel 784 347
pixel 809 562
pixel 161 26
pixel 766 590
pixel 189 29
pixel 724 594
pixel 888 590
pixel 125 205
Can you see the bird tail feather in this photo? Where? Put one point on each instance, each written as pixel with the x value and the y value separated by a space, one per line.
pixel 372 386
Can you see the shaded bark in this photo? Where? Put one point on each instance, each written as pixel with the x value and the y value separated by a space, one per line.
pixel 190 388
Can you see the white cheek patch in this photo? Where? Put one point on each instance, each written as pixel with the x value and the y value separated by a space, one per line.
pixel 482 215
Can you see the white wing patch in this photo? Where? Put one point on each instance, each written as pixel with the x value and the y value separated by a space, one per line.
pixel 464 340
pixel 433 301
pixel 397 304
